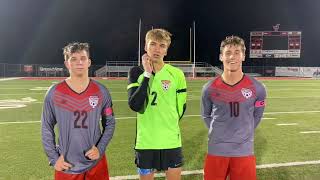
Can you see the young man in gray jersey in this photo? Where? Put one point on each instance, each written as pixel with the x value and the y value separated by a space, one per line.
pixel 232 106
pixel 77 105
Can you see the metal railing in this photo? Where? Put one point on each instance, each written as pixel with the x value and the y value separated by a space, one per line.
pixel 121 69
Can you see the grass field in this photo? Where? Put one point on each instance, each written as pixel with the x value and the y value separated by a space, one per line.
pixel 293 102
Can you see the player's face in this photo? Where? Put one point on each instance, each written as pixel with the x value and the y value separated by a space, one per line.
pixel 156 50
pixel 232 57
pixel 78 63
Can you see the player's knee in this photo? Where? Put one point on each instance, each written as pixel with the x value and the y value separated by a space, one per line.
pixel 144 172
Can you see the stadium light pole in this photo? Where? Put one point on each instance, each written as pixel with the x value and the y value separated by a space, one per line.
pixel 190 45
pixel 139 46
pixel 194 48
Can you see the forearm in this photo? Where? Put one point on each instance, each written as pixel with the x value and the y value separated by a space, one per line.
pixel 107 133
pixel 181 102
pixel 49 145
pixel 207 120
pixel 259 109
pixel 258 113
pixel 206 109
pixel 260 104
pixel 138 95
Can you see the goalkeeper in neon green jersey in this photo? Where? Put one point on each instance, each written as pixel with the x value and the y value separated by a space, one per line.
pixel 157 92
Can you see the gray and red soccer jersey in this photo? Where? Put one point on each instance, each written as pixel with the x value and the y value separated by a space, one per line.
pixel 78 118
pixel 232 113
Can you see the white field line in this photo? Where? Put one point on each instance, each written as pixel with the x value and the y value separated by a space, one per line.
pixel 17 122
pixel 14 88
pixel 293 97
pixel 30 122
pixel 295 85
pixel 268 85
pixel 200 171
pixel 287 124
pixel 310 132
pixel 193 98
pixel 284 112
pixel 263 166
pixel 116 100
pixel 291 112
pixel 289 89
pixel 185 116
pixel 284 89
pixel 20 94
pixel 8 79
pixel 46 88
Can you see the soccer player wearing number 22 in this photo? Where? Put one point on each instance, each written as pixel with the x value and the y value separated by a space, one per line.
pixel 158 94
pixel 232 106
pixel 77 105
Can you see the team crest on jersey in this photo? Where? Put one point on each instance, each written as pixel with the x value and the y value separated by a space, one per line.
pixel 165 84
pixel 93 101
pixel 247 93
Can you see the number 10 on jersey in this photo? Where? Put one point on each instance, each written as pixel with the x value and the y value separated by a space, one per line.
pixel 234 109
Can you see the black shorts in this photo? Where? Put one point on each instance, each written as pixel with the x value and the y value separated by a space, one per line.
pixel 159 159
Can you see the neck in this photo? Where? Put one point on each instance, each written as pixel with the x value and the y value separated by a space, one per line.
pixel 78 83
pixel 157 66
pixel 232 78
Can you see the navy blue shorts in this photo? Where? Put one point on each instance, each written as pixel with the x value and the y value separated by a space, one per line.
pixel 159 159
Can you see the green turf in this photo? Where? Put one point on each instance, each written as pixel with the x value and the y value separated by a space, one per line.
pixel 22 155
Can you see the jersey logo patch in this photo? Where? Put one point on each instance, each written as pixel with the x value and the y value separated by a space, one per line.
pixel 247 93
pixel 165 84
pixel 93 101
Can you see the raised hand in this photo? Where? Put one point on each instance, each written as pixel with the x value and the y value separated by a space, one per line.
pixel 146 62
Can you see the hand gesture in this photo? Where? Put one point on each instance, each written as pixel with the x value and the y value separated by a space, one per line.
pixel 146 62
pixel 62 165
pixel 93 153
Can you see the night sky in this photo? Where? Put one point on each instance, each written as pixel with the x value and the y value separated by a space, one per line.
pixel 34 31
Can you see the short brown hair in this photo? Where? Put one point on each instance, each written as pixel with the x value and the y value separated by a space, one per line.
pixel 75 47
pixel 159 35
pixel 233 40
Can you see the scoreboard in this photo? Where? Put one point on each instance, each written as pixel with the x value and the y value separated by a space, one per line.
pixel 275 44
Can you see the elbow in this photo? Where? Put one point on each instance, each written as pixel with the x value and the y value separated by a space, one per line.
pixel 134 107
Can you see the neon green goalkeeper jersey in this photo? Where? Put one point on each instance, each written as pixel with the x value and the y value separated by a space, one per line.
pixel 164 106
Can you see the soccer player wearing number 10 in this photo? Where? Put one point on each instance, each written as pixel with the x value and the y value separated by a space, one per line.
pixel 77 105
pixel 158 94
pixel 232 106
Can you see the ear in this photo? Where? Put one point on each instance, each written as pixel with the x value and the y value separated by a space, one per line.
pixel 66 63
pixel 89 63
pixel 244 58
pixel 220 57
pixel 146 46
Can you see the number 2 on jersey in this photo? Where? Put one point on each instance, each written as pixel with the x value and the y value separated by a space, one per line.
pixel 153 102
pixel 78 114
pixel 234 109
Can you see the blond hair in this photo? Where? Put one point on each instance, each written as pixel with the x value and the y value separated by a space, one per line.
pixel 159 35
